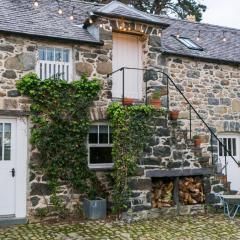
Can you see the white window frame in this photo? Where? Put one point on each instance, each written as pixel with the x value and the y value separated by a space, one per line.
pixel 227 135
pixel 60 64
pixel 99 165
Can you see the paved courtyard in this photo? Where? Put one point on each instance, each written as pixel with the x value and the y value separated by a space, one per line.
pixel 173 228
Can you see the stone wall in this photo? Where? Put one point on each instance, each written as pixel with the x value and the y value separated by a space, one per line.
pixel 212 88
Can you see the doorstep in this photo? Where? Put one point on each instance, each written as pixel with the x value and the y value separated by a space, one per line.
pixel 5 222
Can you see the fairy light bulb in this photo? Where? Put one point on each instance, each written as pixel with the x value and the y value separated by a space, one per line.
pixel 71 17
pixel 178 35
pixel 90 21
pixel 60 11
pixel 100 25
pixel 35 4
pixel 224 39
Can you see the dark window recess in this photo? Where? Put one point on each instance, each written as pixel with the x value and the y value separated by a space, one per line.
pixel 189 43
pixel 93 134
pixel 100 155
pixel 231 146
pixel 100 144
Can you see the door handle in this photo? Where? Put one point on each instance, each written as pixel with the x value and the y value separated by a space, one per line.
pixel 13 172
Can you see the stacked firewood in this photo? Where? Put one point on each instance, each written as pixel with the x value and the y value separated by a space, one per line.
pixel 162 194
pixel 191 191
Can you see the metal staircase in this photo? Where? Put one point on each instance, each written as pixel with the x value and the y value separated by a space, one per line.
pixel 168 82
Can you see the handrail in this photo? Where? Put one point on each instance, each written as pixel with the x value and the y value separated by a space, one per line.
pixel 226 151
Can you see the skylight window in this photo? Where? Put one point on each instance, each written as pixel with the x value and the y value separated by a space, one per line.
pixel 189 43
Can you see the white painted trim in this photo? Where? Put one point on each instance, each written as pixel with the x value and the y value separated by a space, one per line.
pixel 69 64
pixel 99 165
pixel 21 167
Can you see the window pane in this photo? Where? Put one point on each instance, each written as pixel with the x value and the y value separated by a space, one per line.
pixel 234 147
pixel 229 146
pixel 66 55
pixel 225 144
pixel 100 155
pixel 7 141
pixel 50 54
pixel 93 134
pixel 58 54
pixel 110 135
pixel 220 148
pixel 103 134
pixel 42 53
pixel 1 140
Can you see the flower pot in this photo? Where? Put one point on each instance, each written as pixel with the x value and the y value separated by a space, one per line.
pixel 155 103
pixel 127 101
pixel 95 209
pixel 174 115
pixel 197 142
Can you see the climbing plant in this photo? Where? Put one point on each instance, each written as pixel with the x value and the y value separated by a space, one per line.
pixel 60 118
pixel 132 128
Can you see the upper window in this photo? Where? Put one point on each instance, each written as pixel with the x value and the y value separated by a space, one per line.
pixel 189 43
pixel 54 63
pixel 100 146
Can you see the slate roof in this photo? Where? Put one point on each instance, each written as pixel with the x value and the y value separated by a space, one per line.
pixel 19 16
pixel 211 40
pixel 118 9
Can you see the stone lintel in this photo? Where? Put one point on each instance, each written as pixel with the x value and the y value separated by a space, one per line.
pixel 14 113
pixel 179 172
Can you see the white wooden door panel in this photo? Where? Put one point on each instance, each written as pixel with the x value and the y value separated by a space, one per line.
pixel 7 166
pixel 127 53
pixel 233 171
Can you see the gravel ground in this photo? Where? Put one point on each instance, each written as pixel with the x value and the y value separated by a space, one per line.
pixel 205 227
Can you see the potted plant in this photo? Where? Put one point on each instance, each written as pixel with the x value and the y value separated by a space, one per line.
pixel 155 99
pixel 95 204
pixel 174 114
pixel 197 141
pixel 128 101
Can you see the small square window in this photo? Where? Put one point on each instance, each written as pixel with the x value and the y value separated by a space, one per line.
pixel 189 43
pixel 100 146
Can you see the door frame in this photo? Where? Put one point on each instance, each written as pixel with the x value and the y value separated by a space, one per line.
pixel 229 161
pixel 21 161
pixel 139 74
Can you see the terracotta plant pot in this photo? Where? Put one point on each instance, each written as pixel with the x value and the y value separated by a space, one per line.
pixel 197 142
pixel 127 101
pixel 174 115
pixel 155 103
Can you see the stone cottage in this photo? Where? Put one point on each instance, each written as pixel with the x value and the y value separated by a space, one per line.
pixel 202 60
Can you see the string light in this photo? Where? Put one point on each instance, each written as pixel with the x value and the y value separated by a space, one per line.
pixel 72 16
pixel 60 11
pixel 100 25
pixel 90 21
pixel 35 3
pixel 178 35
pixel 224 38
pixel 198 37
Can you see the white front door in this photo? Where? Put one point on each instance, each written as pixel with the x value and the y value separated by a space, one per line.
pixel 233 171
pixel 127 52
pixel 7 166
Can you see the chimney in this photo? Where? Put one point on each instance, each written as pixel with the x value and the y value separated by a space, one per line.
pixel 191 18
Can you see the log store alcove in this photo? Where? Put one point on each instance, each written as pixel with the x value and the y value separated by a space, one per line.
pixel 177 187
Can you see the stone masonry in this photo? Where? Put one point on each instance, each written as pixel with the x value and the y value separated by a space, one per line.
pixel 212 88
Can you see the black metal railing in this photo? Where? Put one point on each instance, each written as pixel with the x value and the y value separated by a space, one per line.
pixel 191 109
